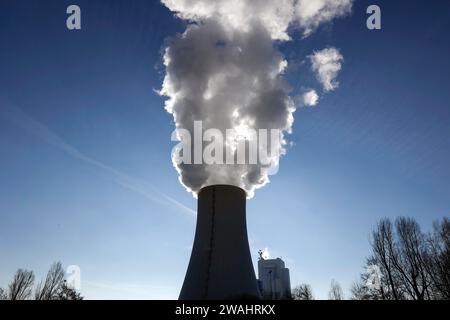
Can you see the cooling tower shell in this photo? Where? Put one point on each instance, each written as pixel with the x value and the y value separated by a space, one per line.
pixel 220 266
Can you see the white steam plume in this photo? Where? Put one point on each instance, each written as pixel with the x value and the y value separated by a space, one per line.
pixel 310 98
pixel 225 71
pixel 326 64
pixel 312 13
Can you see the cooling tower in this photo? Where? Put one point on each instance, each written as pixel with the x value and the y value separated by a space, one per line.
pixel 220 266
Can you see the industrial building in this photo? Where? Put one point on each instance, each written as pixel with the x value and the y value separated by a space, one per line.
pixel 274 281
pixel 220 266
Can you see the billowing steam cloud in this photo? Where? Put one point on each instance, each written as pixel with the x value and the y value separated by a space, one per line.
pixel 312 13
pixel 326 64
pixel 310 98
pixel 225 71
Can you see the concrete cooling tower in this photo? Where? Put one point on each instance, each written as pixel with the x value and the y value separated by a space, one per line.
pixel 220 266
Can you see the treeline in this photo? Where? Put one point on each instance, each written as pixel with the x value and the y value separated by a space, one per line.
pixel 405 264
pixel 54 287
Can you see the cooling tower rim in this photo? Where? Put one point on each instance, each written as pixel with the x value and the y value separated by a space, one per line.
pixel 221 185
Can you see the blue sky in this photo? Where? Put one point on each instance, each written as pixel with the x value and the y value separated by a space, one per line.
pixel 85 170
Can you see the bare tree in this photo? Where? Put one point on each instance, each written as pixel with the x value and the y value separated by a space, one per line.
pixel 401 256
pixel 438 259
pixel 53 288
pixel 49 290
pixel 412 265
pixel 384 252
pixel 336 292
pixel 302 292
pixel 373 283
pixel 359 291
pixel 22 285
pixel 67 293
pixel 3 295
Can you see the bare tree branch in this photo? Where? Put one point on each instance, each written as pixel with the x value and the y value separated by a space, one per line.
pixel 438 259
pixel 3 295
pixel 302 292
pixel 22 285
pixel 336 292
pixel 53 282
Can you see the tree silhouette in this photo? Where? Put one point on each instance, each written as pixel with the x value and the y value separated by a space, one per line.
pixel 54 287
pixel 52 284
pixel 438 259
pixel 413 265
pixel 21 286
pixel 336 292
pixel 3 295
pixel 67 293
pixel 302 292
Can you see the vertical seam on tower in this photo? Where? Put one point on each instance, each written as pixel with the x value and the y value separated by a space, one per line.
pixel 211 242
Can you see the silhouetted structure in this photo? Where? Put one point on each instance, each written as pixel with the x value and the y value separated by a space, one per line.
pixel 220 266
pixel 274 280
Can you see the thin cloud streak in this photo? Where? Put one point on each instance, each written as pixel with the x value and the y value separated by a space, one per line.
pixel 36 128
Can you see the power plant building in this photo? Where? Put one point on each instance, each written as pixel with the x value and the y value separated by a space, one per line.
pixel 220 265
pixel 274 281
